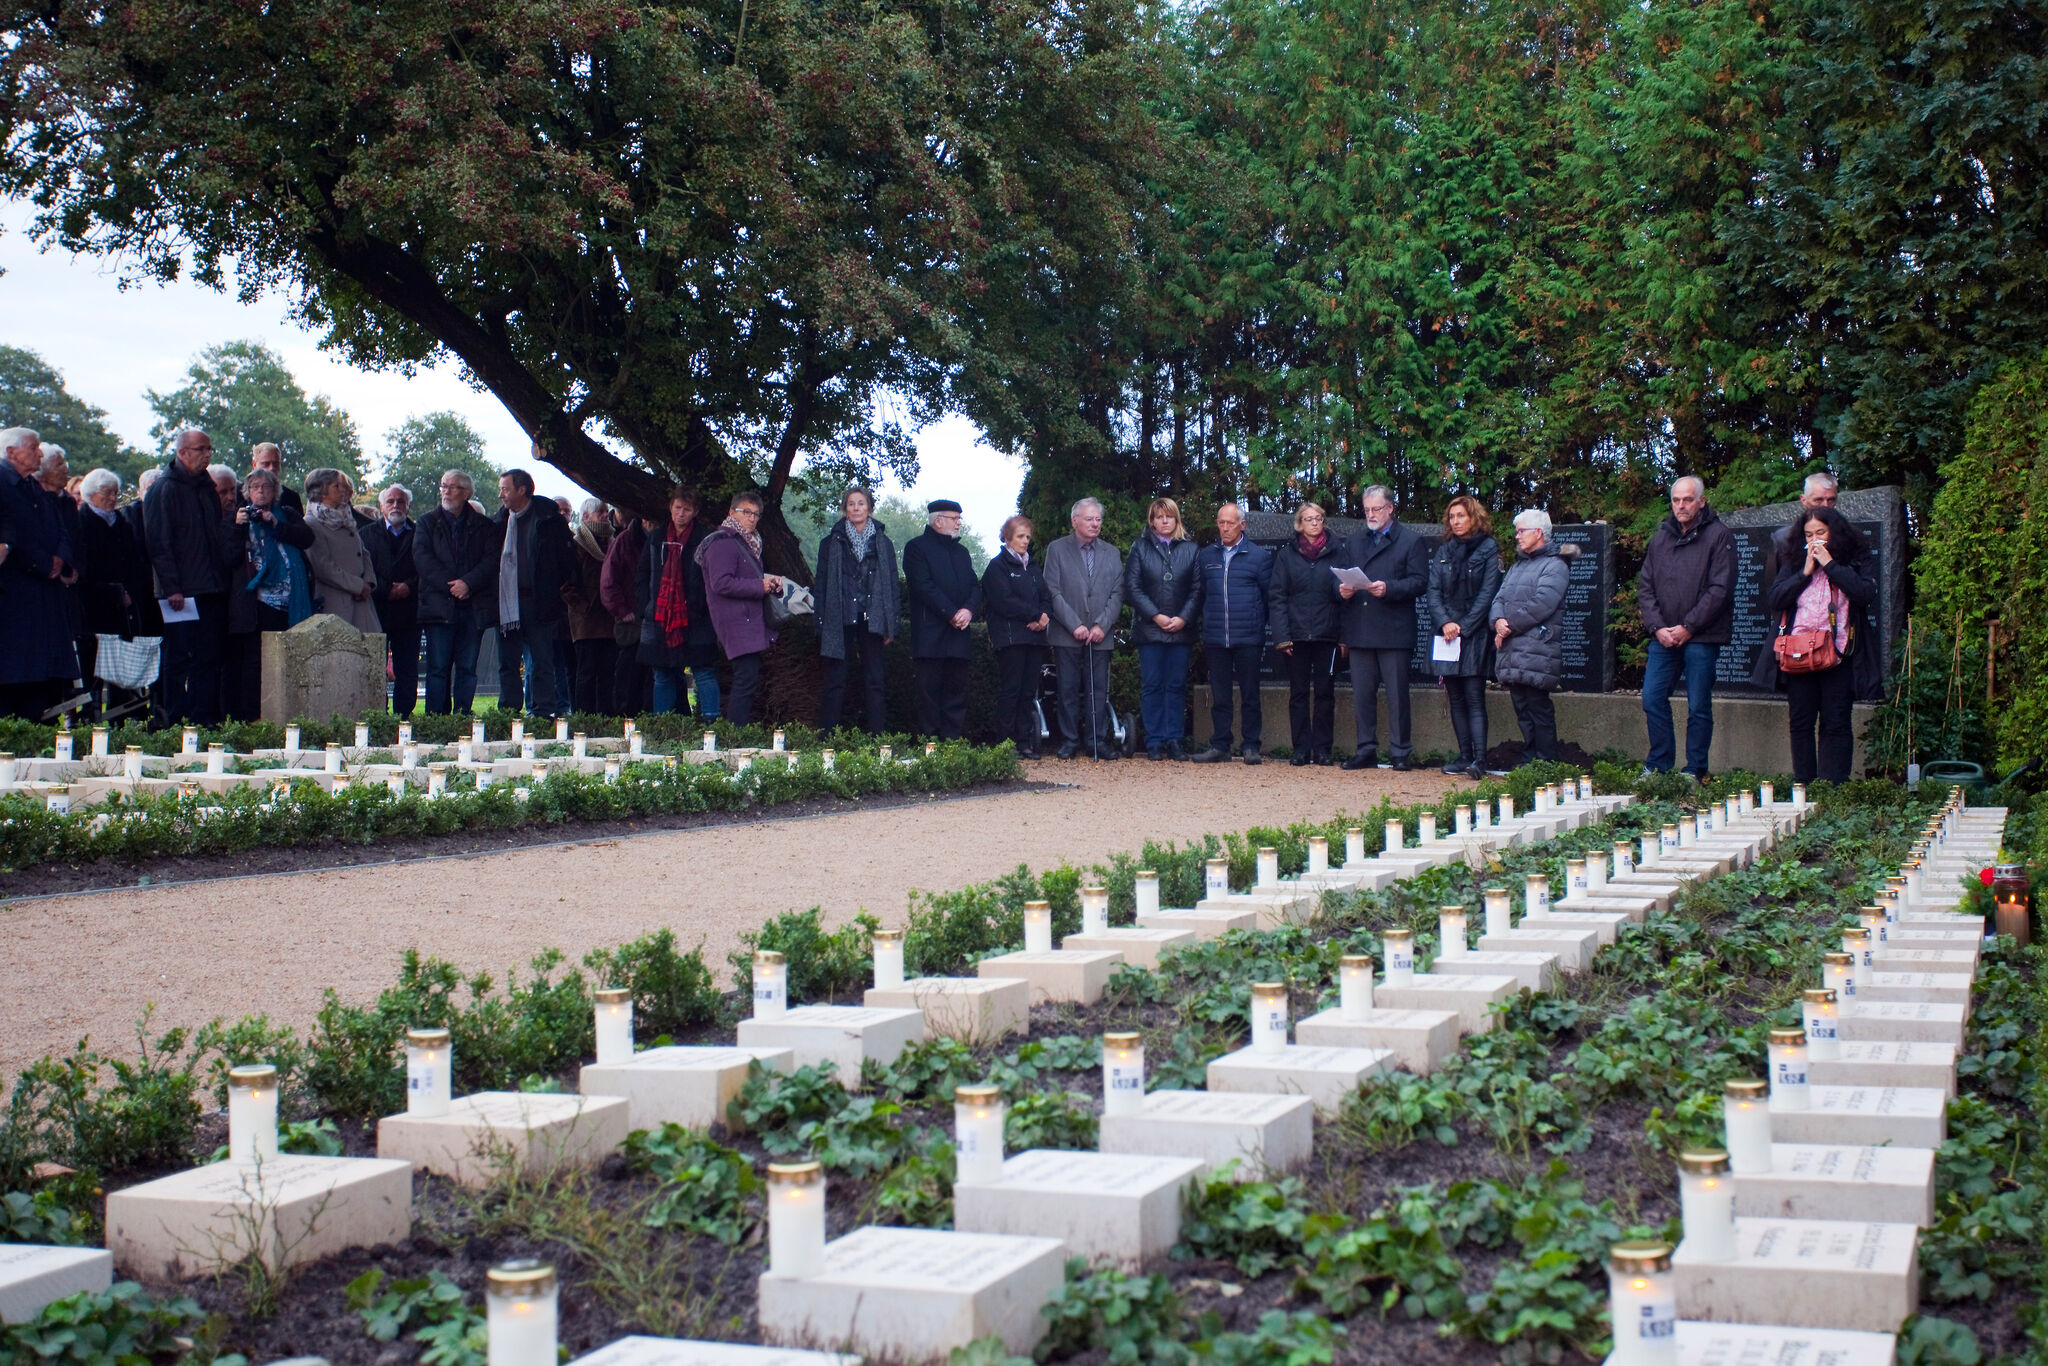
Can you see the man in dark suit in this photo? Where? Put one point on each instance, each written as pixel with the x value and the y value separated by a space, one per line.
pixel 1377 625
pixel 945 595
pixel 397 594
pixel 535 560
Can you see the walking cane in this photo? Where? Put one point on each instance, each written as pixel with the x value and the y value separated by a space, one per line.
pixel 1094 720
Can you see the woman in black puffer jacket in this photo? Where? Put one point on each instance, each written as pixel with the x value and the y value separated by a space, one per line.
pixel 1464 574
pixel 1303 614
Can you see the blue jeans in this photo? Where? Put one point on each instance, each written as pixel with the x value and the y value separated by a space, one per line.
pixel 451 647
pixel 1163 692
pixel 1660 675
pixel 668 691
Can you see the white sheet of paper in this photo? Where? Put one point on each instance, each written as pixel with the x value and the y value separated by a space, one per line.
pixel 1356 578
pixel 1446 651
pixel 189 612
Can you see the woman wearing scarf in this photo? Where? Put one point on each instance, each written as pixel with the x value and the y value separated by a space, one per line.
pixel 343 573
pixel 1304 619
pixel 272 588
pixel 676 639
pixel 1464 575
pixel 858 593
pixel 735 585
pixel 1832 587
pixel 1164 588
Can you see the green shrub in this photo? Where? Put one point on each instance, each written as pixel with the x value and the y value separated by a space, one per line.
pixel 120 1326
pixel 65 1110
pixel 705 1188
pixel 672 991
pixel 823 966
pixel 1133 1320
pixel 1256 1224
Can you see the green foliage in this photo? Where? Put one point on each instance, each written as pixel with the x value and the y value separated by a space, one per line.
pixel 1281 1339
pixel 706 1187
pixel 32 395
pixel 1256 1224
pixel 672 991
pixel 918 1191
pixel 1389 1112
pixel 1397 1257
pixel 241 393
pixel 100 1114
pixel 453 1333
pixel 823 966
pixel 1134 1320
pixel 39 1218
pixel 1049 1119
pixel 1929 1340
pixel 121 1326
pixel 422 449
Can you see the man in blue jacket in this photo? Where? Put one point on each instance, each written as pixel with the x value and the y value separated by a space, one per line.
pixel 1377 625
pixel 1236 578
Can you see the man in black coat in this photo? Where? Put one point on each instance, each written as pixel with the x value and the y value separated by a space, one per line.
pixel 192 553
pixel 534 561
pixel 456 550
pixel 945 595
pixel 1377 625
pixel 397 594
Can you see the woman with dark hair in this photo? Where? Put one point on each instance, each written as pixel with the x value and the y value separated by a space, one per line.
pixel 1019 608
pixel 1828 595
pixel 860 610
pixel 1303 612
pixel 1464 576
pixel 1164 587
pixel 676 637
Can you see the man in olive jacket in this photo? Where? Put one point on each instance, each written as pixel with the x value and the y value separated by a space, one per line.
pixel 945 595
pixel 1687 595
pixel 1377 625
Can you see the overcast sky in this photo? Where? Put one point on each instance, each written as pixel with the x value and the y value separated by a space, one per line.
pixel 112 345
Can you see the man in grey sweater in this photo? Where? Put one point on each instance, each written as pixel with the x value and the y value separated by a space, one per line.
pixel 1085 575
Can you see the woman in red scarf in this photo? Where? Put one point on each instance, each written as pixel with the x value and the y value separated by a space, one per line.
pixel 676 638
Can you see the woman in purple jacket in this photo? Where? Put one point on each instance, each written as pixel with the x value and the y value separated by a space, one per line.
pixel 735 584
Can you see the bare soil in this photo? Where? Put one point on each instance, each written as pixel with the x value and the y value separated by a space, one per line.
pixel 89 964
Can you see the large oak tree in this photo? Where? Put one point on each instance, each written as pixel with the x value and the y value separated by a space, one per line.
pixel 680 243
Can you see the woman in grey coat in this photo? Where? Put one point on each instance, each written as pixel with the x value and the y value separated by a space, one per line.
pixel 859 606
pixel 1528 629
pixel 1464 575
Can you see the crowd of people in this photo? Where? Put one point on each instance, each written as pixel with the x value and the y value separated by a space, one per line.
pixel 605 611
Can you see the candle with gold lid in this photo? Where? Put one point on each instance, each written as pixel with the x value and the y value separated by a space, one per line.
pixel 1642 1304
pixel 1354 987
pixel 1216 877
pixel 614 1025
pixel 1268 867
pixel 1500 915
pixel 252 1112
pixel 1535 894
pixel 796 1219
pixel 1269 1016
pixel 1624 861
pixel 1145 887
pixel 978 1133
pixel 1746 1125
pixel 99 742
pixel 1838 974
pixel 1318 854
pixel 1450 928
pixel 1461 819
pixel 429 1062
pixel 1123 1073
pixel 1706 1204
pixel 1823 1032
pixel 771 985
pixel 1354 845
pixel 1095 910
pixel 888 958
pixel 1397 946
pixel 520 1309
pixel 1789 1089
pixel 1038 927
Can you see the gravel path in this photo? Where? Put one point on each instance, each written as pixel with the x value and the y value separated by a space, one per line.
pixel 87 965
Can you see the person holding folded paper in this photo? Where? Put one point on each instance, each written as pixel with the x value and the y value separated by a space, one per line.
pixel 1528 629
pixel 1464 575
pixel 1377 624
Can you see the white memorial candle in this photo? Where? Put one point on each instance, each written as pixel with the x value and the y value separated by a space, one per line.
pixel 826 759
pixel 636 745
pixel 519 1314
pixel 252 1113
pixel 1823 1034
pixel 1859 946
pixel 579 746
pixel 1706 1204
pixel 291 738
pixel 1688 832
pixel 1461 819
pixel 1745 802
pixel 771 985
pixel 1585 788
pixel 1746 1125
pixel 1425 828
pixel 611 768
pixel 888 958
pixel 1397 948
pixel 437 779
pixel 57 801
pixel 1653 849
pixel 1318 854
pixel 1269 1016
pixel 1577 881
pixel 405 732
pixel 1912 883
pixel 1094 910
pixel 561 729
pixel 1624 859
pixel 216 759
pixel 930 748
pixel 1354 845
pixel 1838 974
pixel 1596 871
pixel 614 1026
pixel 1798 796
pixel 1789 1090
pixel 1216 877
pixel 188 792
pixel 978 1133
pixel 780 742
pixel 1123 1074
pixel 529 748
pixel 362 736
pixel 885 752
pixel 711 742
pixel 409 757
pixel 1875 925
pixel 1500 916
pixel 1038 927
pixel 1535 894
pixel 1395 836
pixel 1731 811
pixel 189 740
pixel 1269 866
pixel 6 769
pixel 131 763
pixel 1354 986
pixel 796 1219
pixel 1450 928
pixel 1507 809
pixel 333 757
pixel 99 742
pixel 1146 888
pixel 1669 839
pixel 476 733
pixel 465 751
pixel 1766 793
pixel 429 1061
pixel 1643 1304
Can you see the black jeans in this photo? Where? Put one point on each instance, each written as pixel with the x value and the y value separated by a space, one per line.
pixel 1466 698
pixel 1539 720
pixel 1235 666
pixel 942 698
pixel 1312 695
pixel 1829 698
pixel 746 681
pixel 405 669
pixel 1371 670
pixel 1017 672
pixel 596 668
pixel 193 654
pixel 1084 678
pixel 630 683
pixel 864 654
pixel 534 643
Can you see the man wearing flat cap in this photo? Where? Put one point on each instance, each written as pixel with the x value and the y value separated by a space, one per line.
pixel 945 594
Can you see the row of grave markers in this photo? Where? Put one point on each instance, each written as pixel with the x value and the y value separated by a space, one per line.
pixel 914 1294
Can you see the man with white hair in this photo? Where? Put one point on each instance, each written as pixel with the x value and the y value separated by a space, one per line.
pixel 1687 595
pixel 37 656
pixel 390 541
pixel 191 549
pixel 1085 575
pixel 456 549
pixel 1376 626
pixel 54 471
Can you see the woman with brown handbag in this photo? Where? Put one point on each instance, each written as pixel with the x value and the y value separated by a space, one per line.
pixel 1825 640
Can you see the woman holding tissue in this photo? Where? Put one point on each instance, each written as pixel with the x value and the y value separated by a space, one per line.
pixel 1528 629
pixel 1464 575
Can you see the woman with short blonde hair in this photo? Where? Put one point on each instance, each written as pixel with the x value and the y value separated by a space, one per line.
pixel 1303 612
